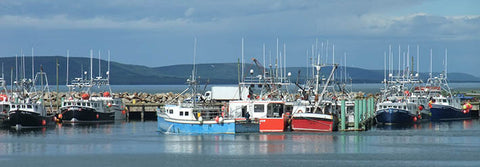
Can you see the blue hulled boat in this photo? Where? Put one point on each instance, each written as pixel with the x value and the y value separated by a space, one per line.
pixel 444 108
pixel 195 114
pixel 397 104
pixel 186 119
pixel 395 116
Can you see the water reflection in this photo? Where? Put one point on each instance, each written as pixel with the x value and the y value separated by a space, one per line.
pixel 142 138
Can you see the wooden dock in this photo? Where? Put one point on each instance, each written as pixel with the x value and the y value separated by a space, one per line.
pixel 142 111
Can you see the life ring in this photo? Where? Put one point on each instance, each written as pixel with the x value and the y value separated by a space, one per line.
pixel 299 111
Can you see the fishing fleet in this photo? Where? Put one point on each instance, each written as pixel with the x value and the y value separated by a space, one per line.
pixel 266 100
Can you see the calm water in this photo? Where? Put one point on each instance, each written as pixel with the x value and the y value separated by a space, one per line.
pixel 138 144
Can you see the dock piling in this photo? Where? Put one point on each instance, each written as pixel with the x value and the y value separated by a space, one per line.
pixel 342 123
pixel 356 114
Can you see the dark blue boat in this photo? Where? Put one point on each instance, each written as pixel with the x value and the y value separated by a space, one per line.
pixel 448 113
pixel 395 116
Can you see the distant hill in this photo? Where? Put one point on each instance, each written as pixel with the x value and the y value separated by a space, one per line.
pixel 215 73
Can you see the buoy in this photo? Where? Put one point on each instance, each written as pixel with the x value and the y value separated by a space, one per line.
pixel 85 96
pixel 217 119
pixel 123 112
pixel 464 111
pixel 414 119
pixel 106 94
pixel 220 120
pixel 109 104
pixel 44 122
pixel 60 116
pixel 223 114
pixel 97 116
pixel 200 119
pixel 464 107
pixel 420 107
pixel 223 108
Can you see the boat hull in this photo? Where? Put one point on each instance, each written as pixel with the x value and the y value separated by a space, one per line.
pixel 313 123
pixel 170 126
pixel 448 113
pixel 272 124
pixel 79 115
pixel 28 119
pixel 395 116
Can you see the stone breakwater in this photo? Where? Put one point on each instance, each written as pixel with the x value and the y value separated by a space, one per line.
pixel 127 98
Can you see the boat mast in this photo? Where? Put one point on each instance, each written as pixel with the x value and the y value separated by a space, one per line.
pixel 264 61
pixel 242 58
pixel 446 61
pixel 99 66
pixel 108 69
pixel 193 82
pixel 33 66
pixel 431 70
pixel 68 56
pixel 91 65
pixel 418 60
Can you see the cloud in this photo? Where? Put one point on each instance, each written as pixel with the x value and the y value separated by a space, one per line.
pixel 189 12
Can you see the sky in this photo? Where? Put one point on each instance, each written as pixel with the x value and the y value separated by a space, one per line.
pixel 161 32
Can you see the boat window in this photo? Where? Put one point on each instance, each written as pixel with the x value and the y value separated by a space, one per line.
pixel 258 108
pixel 274 109
pixel 170 111
pixel 186 113
pixel 88 104
pixel 181 113
pixel 78 104
pixel 29 106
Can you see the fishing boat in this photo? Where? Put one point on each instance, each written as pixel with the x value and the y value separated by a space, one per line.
pixel 82 107
pixel 443 105
pixel 397 104
pixel 28 109
pixel 4 102
pixel 194 115
pixel 267 100
pixel 317 112
pixel 445 108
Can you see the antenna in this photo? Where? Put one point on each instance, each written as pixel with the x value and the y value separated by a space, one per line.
pixel 91 64
pixel 276 62
pixel 408 62
pixel 23 63
pixel 333 59
pixel 16 67
pixel 33 66
pixel 242 58
pixel 431 70
pixel 446 61
pixel 418 60
pixel 345 59
pixel 326 53
pixel 108 72
pixel 385 67
pixel 68 56
pixel 399 59
pixel 264 60
pixel 284 60
pixel 99 66
pixel 307 63
pixel 390 64
pixel 194 57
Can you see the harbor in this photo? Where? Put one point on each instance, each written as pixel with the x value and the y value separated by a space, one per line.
pixel 122 83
